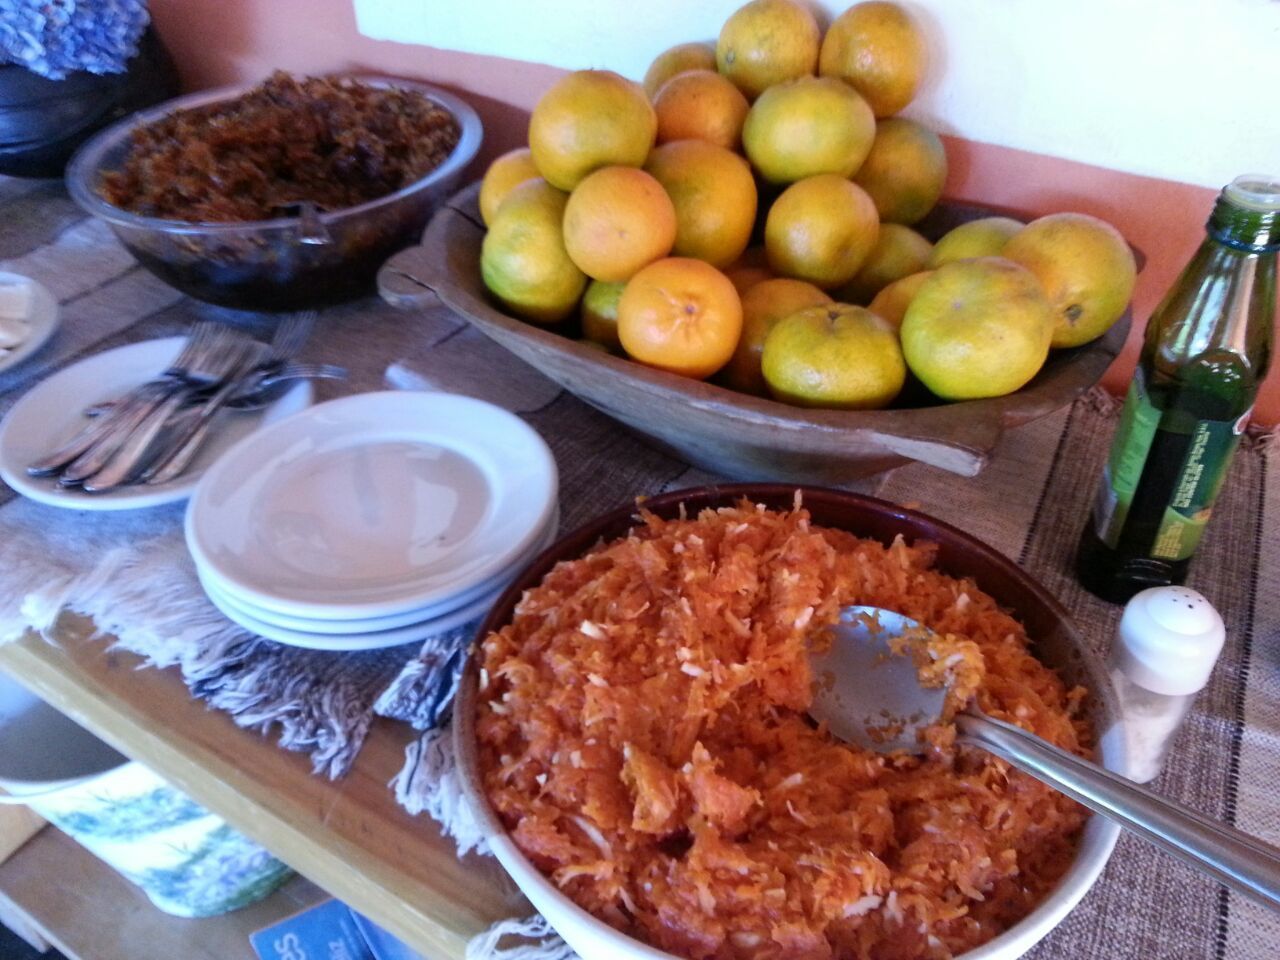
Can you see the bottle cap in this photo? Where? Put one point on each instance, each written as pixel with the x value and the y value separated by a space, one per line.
pixel 1169 640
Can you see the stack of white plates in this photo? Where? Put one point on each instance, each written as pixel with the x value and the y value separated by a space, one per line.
pixel 374 520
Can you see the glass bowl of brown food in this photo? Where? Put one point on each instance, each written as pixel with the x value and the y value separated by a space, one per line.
pixel 285 195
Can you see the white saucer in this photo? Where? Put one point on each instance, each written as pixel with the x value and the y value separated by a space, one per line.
pixel 372 505
pixel 349 642
pixel 51 412
pixel 42 319
pixel 489 587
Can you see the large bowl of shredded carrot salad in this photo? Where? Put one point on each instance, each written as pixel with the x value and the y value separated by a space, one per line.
pixel 632 732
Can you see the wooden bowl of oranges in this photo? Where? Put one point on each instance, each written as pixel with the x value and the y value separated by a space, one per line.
pixel 747 260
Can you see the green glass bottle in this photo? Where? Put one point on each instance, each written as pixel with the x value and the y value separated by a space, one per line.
pixel 1205 353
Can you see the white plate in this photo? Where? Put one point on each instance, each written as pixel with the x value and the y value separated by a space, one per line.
pixel 350 642
pixel 490 586
pixel 42 321
pixel 372 505
pixel 51 412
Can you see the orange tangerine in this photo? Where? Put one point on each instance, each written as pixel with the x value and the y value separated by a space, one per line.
pixel 617 220
pixel 678 59
pixel 821 229
pixel 878 48
pixel 892 302
pixel 523 260
pixel 714 196
pixel 835 355
pixel 1085 267
pixel 680 315
pixel 600 314
pixel 749 269
pixel 808 126
pixel 587 120
pixel 905 170
pixel 899 251
pixel 984 237
pixel 701 105
pixel 507 171
pixel 766 42
pixel 763 306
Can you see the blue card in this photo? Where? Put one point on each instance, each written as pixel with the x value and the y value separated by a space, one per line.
pixel 326 932
pixel 383 944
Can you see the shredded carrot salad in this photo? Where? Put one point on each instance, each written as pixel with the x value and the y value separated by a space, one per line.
pixel 643 735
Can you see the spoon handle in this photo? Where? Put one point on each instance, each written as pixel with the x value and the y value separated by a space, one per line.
pixel 1244 863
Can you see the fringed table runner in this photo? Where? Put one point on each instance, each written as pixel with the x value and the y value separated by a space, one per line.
pixel 131 573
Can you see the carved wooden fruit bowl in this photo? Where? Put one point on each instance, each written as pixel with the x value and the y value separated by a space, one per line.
pixel 729 433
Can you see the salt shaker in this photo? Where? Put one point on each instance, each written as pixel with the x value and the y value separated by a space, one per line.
pixel 1168 641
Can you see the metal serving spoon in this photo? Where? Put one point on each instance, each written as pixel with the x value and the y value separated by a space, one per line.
pixel 870 695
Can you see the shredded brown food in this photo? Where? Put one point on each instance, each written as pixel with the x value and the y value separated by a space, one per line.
pixel 643 735
pixel 334 142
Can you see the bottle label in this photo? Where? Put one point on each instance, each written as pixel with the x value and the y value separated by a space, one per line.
pixel 1138 423
pixel 1213 443
pixel 1195 484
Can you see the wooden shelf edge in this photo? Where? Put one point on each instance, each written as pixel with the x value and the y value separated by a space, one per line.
pixel 322 830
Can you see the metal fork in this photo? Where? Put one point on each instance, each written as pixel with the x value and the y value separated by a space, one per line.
pixel 189 437
pixel 255 394
pixel 204 369
pixel 126 412
pixel 202 337
pixel 291 335
pixel 145 443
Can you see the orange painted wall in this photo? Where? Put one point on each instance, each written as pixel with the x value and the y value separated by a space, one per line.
pixel 237 40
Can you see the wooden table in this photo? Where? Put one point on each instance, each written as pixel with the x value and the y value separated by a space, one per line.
pixel 349 837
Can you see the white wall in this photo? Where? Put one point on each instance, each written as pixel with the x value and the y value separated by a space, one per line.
pixel 1179 89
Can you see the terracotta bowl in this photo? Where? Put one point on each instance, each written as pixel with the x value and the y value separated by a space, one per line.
pixel 720 430
pixel 1056 643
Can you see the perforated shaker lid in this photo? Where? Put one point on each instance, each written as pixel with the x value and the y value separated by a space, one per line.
pixel 1169 640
